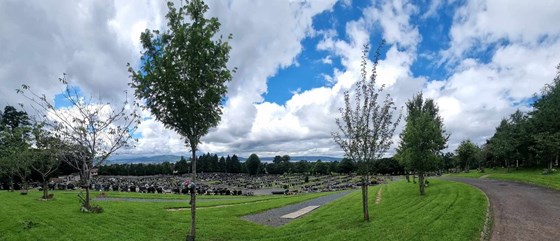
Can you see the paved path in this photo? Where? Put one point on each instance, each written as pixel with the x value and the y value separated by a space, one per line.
pixel 273 218
pixel 520 211
pixel 160 200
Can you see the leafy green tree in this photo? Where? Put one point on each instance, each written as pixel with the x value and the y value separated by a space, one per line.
pixel 183 76
pixel 448 161
pixel 467 153
pixel 229 165
pixel 320 168
pixel 545 118
pixel 15 137
pixel 302 167
pixel 182 166
pixel 222 164
pixel 253 164
pixel 236 164
pixel 502 142
pixel 422 139
pixel 346 165
pixel 366 124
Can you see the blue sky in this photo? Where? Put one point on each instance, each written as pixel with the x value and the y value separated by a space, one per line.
pixel 479 60
pixel 307 72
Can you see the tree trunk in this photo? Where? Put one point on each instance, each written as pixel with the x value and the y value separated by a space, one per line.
pixel 365 207
pixel 421 183
pixel 550 166
pixel 192 235
pixel 11 183
pixel 556 159
pixel 507 167
pixel 45 190
pixel 413 177
pixel 407 176
pixel 87 204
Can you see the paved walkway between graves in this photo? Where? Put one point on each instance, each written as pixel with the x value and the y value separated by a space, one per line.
pixel 161 200
pixel 520 211
pixel 273 218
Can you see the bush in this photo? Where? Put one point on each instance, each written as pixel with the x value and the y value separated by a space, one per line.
pixel 546 171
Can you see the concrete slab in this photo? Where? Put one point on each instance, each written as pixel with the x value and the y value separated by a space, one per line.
pixel 300 212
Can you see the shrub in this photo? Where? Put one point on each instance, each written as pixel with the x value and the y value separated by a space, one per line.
pixel 548 172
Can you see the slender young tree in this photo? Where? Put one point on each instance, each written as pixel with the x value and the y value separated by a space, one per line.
pixel 366 124
pixel 94 130
pixel 422 139
pixel 183 77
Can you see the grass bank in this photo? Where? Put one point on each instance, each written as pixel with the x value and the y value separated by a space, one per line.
pixel 532 176
pixel 449 211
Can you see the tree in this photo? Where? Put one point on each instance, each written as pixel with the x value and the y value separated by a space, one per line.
pixel 253 163
pixel 346 165
pixel 366 124
pixel 545 119
pixel 183 77
pixel 15 138
pixel 467 153
pixel 181 166
pixel 422 139
pixel 236 164
pixel 46 155
pixel 320 168
pixel 301 167
pixel 93 131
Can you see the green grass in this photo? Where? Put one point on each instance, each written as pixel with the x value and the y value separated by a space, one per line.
pixel 449 211
pixel 533 176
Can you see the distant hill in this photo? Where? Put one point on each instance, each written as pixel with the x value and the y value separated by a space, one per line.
pixel 175 158
pixel 144 159
pixel 306 158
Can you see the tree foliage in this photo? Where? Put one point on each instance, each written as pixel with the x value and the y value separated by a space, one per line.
pixel 366 124
pixel 545 122
pixel 467 154
pixel 15 141
pixel 422 139
pixel 253 163
pixel 183 76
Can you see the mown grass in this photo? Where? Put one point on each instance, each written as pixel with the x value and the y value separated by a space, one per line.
pixel 449 211
pixel 533 176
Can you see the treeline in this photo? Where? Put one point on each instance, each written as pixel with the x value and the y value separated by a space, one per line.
pixel 205 163
pixel 253 165
pixel 524 139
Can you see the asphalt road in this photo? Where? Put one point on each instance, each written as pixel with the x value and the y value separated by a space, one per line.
pixel 273 218
pixel 520 211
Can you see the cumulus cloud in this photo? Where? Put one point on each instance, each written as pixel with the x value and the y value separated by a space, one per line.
pixel 92 41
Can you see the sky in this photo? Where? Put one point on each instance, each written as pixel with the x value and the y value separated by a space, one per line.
pixel 479 60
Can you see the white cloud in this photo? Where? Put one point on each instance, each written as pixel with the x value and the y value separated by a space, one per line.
pixel 92 41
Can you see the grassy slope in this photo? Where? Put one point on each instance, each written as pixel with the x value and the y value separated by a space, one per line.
pixel 533 176
pixel 449 211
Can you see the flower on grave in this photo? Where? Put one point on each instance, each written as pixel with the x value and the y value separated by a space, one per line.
pixel 190 185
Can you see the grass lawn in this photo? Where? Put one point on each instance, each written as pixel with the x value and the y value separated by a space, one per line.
pixel 449 211
pixel 533 176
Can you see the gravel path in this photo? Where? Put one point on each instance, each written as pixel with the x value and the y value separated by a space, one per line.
pixel 520 211
pixel 272 217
